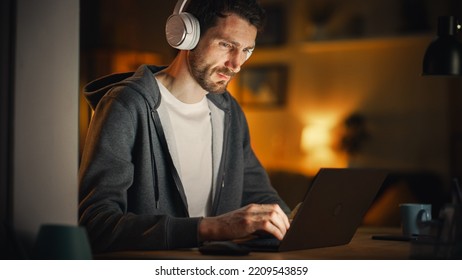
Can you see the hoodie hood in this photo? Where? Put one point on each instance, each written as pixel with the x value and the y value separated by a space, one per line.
pixel 142 81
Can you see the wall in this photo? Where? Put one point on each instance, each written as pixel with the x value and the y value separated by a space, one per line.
pixel 406 114
pixel 45 154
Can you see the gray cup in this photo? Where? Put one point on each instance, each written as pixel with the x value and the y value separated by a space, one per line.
pixel 413 218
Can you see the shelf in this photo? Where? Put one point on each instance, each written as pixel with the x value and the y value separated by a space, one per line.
pixel 365 44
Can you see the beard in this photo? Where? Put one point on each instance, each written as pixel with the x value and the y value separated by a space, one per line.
pixel 203 71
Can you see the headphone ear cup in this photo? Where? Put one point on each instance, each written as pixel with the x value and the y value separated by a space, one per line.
pixel 182 31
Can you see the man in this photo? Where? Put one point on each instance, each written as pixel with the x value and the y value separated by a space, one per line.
pixel 168 162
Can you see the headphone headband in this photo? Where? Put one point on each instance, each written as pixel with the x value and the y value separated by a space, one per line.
pixel 179 7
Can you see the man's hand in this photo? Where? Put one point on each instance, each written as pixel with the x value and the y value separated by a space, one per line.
pixel 245 221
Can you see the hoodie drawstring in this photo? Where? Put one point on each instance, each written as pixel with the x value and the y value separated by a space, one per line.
pixel 153 162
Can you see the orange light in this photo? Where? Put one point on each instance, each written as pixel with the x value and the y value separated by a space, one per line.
pixel 317 142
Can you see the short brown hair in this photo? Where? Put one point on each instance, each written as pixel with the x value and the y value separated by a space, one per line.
pixel 208 11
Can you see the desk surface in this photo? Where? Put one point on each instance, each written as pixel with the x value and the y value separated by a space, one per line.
pixel 361 247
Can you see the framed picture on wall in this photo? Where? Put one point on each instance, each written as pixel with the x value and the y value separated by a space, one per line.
pixel 263 86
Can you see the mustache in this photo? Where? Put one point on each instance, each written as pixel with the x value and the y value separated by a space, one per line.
pixel 226 71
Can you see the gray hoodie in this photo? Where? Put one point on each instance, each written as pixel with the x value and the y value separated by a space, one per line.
pixel 130 196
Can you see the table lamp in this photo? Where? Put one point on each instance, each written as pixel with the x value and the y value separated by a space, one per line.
pixel 444 55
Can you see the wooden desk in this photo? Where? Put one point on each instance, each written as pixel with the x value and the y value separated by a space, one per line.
pixel 361 247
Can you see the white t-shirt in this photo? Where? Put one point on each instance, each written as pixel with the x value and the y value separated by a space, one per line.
pixel 189 139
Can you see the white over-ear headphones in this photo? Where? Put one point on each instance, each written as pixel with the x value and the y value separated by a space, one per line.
pixel 182 29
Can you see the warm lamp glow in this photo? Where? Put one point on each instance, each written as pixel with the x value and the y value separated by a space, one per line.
pixel 315 135
pixel 317 142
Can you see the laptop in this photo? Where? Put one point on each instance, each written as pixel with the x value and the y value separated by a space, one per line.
pixel 331 211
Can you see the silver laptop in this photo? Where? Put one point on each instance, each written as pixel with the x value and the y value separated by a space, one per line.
pixel 331 211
